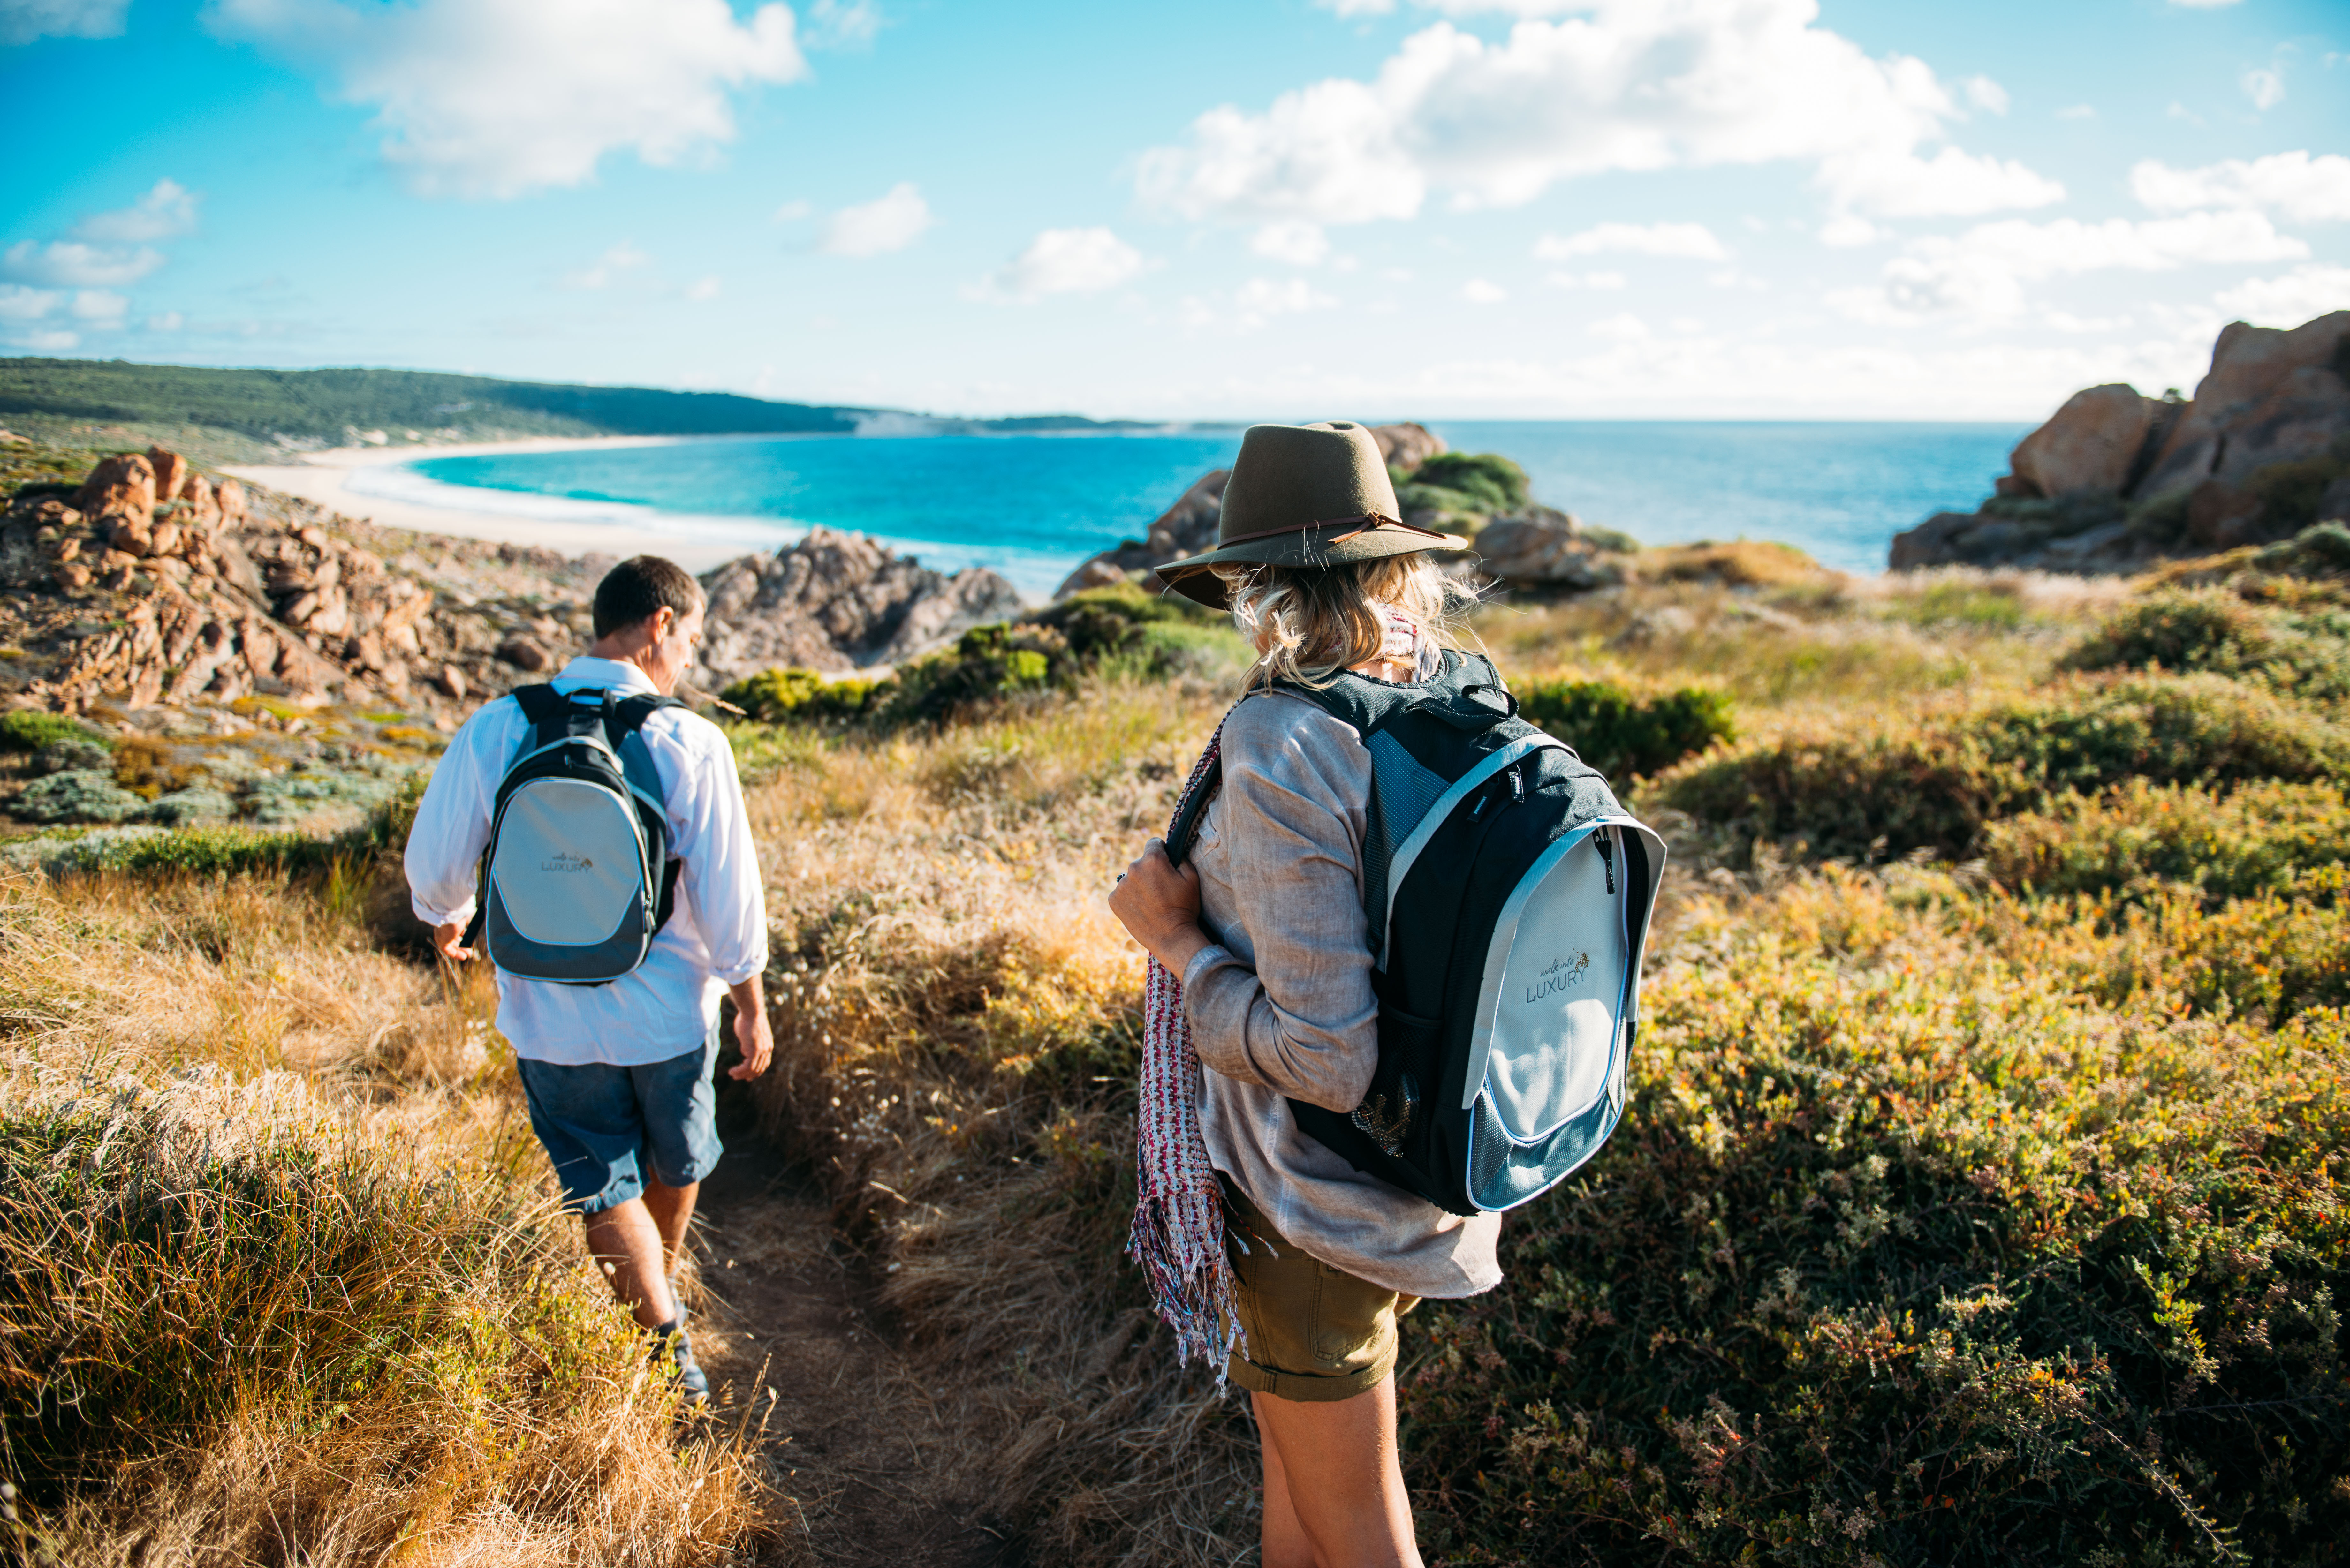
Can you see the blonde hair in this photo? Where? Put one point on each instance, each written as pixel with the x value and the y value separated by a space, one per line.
pixel 1308 623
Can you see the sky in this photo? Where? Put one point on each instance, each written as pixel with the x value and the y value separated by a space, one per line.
pixel 1290 208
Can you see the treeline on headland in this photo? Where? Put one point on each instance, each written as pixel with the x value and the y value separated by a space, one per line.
pixel 330 407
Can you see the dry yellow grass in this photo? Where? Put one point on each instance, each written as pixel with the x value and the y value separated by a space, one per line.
pixel 245 1150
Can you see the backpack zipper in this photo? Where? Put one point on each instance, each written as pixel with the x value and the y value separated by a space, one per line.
pixel 1606 848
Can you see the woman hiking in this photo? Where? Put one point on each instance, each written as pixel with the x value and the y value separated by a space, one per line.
pixel 1262 956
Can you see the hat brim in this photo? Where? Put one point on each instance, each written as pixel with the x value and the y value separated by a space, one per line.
pixel 1194 578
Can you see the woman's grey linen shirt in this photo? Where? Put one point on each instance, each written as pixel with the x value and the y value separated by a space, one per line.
pixel 1282 1007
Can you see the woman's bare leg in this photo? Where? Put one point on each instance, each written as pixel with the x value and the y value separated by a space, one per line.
pixel 1340 1494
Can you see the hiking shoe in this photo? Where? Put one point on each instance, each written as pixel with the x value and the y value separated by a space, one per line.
pixel 672 1347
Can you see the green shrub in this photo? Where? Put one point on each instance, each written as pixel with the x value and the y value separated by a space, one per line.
pixel 2177 629
pixel 1934 784
pixel 1487 481
pixel 1623 736
pixel 77 795
pixel 803 696
pixel 1909 1262
pixel 26 730
pixel 1054 648
pixel 2306 655
pixel 2226 845
pixel 2322 551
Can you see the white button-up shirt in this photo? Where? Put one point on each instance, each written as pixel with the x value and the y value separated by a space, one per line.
pixel 716 937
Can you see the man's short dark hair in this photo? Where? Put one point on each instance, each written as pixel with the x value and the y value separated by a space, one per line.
pixel 639 588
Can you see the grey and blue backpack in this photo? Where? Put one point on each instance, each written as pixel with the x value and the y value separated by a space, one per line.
pixel 578 878
pixel 1508 896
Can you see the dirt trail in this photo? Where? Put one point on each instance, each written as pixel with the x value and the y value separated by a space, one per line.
pixel 853 1436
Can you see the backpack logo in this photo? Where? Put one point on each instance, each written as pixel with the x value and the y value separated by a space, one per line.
pixel 563 861
pixel 1563 974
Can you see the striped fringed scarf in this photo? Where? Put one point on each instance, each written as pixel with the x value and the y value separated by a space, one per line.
pixel 1179 1216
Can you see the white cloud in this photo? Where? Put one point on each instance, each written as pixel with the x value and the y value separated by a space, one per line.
pixel 614 265
pixel 792 211
pixel 99 308
pixel 22 21
pixel 1951 184
pixel 1847 229
pixel 2202 4
pixel 1069 260
pixel 1634 85
pixel 1479 291
pixel 18 303
pixel 50 342
pixel 163 213
pixel 1255 303
pixel 69 264
pixel 2265 88
pixel 169 321
pixel 1357 8
pixel 2299 295
pixel 702 290
pixel 2076 111
pixel 1986 95
pixel 1980 274
pixel 891 222
pixel 1295 241
pixel 497 98
pixel 2310 190
pixel 1692 240
pixel 1621 328
pixel 1584 280
pixel 842 24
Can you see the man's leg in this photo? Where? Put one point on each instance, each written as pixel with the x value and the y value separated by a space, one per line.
pixel 626 1241
pixel 673 1211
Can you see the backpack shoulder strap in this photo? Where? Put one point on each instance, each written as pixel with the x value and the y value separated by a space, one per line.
pixel 541 705
pixel 629 713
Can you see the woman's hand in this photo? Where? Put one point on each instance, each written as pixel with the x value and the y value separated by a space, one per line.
pixel 1158 903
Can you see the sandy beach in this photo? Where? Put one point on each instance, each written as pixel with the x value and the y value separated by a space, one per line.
pixel 328 478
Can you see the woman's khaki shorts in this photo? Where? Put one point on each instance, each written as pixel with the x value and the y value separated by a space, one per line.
pixel 1315 1332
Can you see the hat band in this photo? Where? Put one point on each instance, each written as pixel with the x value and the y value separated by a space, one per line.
pixel 1367 522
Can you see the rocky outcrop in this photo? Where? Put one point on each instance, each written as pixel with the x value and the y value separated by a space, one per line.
pixel 838 601
pixel 1406 446
pixel 1546 548
pixel 1186 528
pixel 1189 527
pixel 2116 480
pixel 153 583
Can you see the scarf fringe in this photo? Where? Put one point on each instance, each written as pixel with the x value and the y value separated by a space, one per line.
pixel 1178 1234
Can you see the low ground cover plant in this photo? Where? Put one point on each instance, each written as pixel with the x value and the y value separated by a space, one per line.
pixel 1623 734
pixel 1934 780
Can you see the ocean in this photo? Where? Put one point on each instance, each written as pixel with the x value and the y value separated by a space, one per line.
pixel 1032 506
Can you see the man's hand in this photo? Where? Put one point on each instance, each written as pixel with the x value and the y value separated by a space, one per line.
pixel 752 1032
pixel 448 940
pixel 1157 902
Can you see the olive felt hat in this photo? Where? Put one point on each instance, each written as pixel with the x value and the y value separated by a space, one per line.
pixel 1303 495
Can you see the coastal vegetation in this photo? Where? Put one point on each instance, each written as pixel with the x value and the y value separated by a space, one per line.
pixel 1980 1199
pixel 226 414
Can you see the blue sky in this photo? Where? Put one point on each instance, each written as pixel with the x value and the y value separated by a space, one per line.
pixel 1375 208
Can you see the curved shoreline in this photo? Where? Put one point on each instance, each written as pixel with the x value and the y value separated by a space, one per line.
pixel 326 478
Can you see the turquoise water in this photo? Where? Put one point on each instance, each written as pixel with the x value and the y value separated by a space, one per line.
pixel 1032 506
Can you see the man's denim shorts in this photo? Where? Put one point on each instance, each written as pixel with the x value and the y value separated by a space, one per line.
pixel 603 1126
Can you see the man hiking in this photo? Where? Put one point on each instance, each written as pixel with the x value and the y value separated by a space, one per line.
pixel 617 1063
